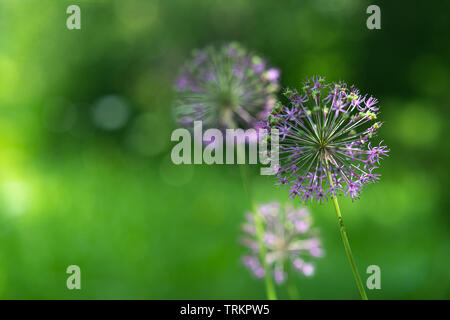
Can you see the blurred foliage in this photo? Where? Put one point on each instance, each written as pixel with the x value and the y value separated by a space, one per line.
pixel 105 196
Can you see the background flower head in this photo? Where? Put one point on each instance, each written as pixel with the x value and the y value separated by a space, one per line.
pixel 289 239
pixel 225 87
pixel 326 133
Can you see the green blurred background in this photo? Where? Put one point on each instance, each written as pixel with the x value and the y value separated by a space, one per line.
pixel 110 201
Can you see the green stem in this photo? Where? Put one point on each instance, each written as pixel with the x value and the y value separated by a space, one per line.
pixel 292 291
pixel 347 244
pixel 270 288
pixel 291 287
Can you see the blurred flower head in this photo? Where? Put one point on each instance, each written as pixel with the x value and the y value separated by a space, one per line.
pixel 225 87
pixel 326 146
pixel 289 239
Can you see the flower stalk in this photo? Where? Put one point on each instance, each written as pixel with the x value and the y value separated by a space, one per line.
pixel 291 287
pixel 270 287
pixel 348 250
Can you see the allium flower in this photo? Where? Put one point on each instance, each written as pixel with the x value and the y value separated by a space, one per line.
pixel 326 147
pixel 225 87
pixel 288 238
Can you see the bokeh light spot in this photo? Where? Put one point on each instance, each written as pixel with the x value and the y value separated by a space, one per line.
pixel 15 196
pixel 417 125
pixel 148 135
pixel 110 112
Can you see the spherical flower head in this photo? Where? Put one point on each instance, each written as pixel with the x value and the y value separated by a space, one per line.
pixel 326 143
pixel 225 87
pixel 288 237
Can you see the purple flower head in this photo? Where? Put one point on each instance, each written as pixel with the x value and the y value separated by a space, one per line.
pixel 326 146
pixel 288 238
pixel 225 87
pixel 272 75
